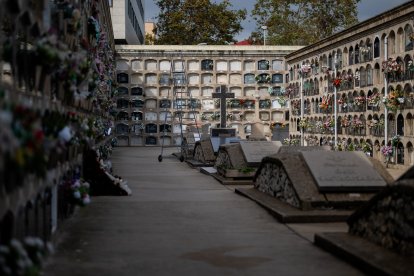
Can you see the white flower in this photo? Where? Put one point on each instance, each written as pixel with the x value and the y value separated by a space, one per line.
pixel 76 194
pixel 86 200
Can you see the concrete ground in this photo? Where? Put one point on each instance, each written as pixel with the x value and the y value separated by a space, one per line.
pixel 182 222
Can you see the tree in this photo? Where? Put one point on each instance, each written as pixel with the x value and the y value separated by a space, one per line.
pixel 192 22
pixel 303 22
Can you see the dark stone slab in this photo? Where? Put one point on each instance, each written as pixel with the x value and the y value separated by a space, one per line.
pixel 343 171
pixel 255 151
pixel 285 213
pixel 367 256
pixel 208 151
pixel 223 132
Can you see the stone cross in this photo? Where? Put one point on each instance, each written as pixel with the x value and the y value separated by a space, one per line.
pixel 222 95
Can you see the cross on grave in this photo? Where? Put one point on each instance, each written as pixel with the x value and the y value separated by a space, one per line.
pixel 222 95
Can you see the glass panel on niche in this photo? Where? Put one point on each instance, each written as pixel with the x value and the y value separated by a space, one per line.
pixel 277 78
pixel 122 103
pixel 180 103
pixel 151 128
pixel 193 79
pixel 136 91
pixel 263 65
pixel 137 103
pixel 165 128
pixel 136 116
pixel 122 116
pixel 207 64
pixel 122 91
pixel 264 116
pixel 121 129
pixel 237 91
pixel 122 78
pixel 206 78
pixel 137 128
pixel 164 79
pixel 151 140
pixel 165 103
pixel 179 79
pixel 222 78
pixel 151 92
pixel 249 79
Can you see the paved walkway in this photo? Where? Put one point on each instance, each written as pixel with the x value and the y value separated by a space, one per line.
pixel 181 222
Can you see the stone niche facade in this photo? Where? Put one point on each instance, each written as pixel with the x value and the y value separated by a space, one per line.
pixel 357 58
pixel 255 74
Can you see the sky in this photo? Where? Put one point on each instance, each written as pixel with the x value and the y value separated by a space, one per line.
pixel 366 10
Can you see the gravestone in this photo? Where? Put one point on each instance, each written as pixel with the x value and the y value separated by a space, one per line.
pixel 217 141
pixel 204 152
pixel 291 178
pixel 205 131
pixel 223 132
pixel 347 171
pixel 255 151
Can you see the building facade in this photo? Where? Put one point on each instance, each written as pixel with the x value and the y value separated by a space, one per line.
pixel 128 21
pixel 368 70
pixel 146 76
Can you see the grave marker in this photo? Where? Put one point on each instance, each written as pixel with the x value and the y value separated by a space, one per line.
pixel 221 93
pixel 254 151
pixel 343 171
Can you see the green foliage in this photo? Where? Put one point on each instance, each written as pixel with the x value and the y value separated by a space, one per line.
pixel 302 22
pixel 190 22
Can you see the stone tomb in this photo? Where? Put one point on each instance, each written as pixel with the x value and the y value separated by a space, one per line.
pixel 287 182
pixel 241 160
pixel 205 151
pixel 382 228
pixel 321 179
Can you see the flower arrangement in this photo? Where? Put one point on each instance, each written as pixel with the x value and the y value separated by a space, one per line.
pixel 304 123
pixel 24 258
pixel 337 82
pixel 326 102
pixel 387 151
pixel 80 192
pixel 329 123
pixel 394 100
pixel 366 147
pixel 395 140
pixel 374 99
pixel 357 123
pixel 391 66
pixel 262 78
pixel 411 37
pixel 364 50
pixel 345 122
pixel 264 103
pixel 410 65
pixel 281 100
pixel 359 101
pixel 291 142
pixel 347 78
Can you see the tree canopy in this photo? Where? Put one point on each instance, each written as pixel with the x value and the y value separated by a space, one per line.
pixel 190 22
pixel 302 22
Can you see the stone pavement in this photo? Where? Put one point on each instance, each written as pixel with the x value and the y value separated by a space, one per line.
pixel 179 221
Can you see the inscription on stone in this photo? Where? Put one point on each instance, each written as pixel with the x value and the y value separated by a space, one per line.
pixel 255 151
pixel 343 171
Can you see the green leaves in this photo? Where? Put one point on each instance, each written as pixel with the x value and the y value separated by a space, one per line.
pixel 190 22
pixel 302 22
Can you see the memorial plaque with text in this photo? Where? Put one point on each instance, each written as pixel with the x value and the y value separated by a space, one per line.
pixel 254 151
pixel 340 171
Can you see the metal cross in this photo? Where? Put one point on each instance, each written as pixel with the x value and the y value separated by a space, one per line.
pixel 222 95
